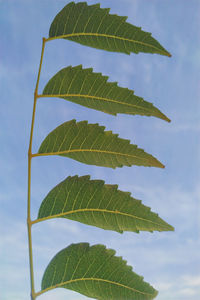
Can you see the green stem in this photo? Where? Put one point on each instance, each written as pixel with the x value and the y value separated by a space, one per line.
pixel 29 223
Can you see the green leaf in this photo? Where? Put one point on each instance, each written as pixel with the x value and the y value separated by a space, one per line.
pixel 95 27
pixel 92 90
pixel 95 272
pixel 94 203
pixel 90 144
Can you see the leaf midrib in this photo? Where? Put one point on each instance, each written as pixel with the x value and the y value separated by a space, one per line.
pixel 95 210
pixel 98 151
pixel 92 279
pixel 96 97
pixel 108 36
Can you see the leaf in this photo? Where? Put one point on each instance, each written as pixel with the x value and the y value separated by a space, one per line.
pixel 90 144
pixel 95 272
pixel 94 203
pixel 92 90
pixel 95 27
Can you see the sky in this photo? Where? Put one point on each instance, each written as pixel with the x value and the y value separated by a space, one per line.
pixel 170 261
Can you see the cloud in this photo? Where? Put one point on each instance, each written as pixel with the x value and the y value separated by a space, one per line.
pixel 182 288
pixel 192 281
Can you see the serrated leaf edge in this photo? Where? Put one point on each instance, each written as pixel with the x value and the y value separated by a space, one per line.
pixel 97 279
pixel 156 163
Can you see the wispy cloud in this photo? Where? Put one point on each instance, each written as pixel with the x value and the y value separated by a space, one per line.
pixel 182 288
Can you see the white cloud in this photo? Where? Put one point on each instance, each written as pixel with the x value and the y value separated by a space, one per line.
pixel 192 281
pixel 187 292
pixel 180 288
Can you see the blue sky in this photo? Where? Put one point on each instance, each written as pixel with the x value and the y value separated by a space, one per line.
pixel 170 261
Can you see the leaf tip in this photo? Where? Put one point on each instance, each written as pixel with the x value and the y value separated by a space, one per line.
pixel 167 227
pixel 165 118
pixel 171 228
pixel 158 164
pixel 168 120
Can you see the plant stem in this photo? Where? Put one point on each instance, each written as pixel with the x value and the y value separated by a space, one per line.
pixel 29 223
